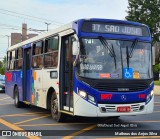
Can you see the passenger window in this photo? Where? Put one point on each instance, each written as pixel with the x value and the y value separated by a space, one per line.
pixel 19 60
pixel 12 60
pixel 51 52
pixel 37 59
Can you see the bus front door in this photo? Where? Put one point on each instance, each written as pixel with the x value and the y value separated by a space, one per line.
pixel 66 74
pixel 27 74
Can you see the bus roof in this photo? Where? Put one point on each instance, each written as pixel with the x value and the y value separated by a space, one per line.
pixel 114 21
pixel 70 26
pixel 39 37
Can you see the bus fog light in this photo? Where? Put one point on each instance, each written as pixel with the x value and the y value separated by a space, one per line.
pixel 82 94
pixel 91 98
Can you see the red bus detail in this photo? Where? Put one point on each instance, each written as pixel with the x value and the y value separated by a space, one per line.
pixel 106 96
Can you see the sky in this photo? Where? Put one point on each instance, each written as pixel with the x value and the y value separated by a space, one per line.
pixel 57 12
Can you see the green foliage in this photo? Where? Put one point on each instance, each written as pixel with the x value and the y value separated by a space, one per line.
pixel 1 64
pixel 157 83
pixel 156 68
pixel 2 70
pixel 147 12
pixel 4 60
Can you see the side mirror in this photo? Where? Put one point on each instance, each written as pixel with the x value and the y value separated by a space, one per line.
pixel 75 48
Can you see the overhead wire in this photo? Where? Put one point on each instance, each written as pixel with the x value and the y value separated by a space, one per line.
pixel 28 17
pixel 32 16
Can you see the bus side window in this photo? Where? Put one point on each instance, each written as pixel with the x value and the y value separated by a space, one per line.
pixel 37 55
pixel 19 60
pixel 12 60
pixel 51 52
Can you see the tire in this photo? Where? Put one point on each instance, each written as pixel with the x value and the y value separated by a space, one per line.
pixel 56 115
pixel 115 117
pixel 17 103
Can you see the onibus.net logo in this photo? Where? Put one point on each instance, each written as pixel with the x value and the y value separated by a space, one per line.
pixel 20 133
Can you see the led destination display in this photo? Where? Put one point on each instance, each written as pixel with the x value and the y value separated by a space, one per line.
pixel 101 27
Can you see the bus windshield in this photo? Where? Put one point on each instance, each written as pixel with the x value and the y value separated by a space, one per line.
pixel 110 59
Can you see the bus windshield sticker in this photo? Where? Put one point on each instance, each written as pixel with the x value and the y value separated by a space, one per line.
pixel 104 75
pixel 114 75
pixel 136 75
pixel 91 67
pixel 128 73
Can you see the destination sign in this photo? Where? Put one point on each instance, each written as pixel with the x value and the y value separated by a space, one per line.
pixel 114 28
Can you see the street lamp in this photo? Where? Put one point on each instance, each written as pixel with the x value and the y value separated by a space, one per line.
pixel 47 25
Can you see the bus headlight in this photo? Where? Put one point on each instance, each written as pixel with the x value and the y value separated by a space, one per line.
pixel 86 96
pixel 149 96
pixel 91 99
pixel 83 94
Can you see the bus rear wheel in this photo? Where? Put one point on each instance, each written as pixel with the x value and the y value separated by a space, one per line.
pixel 56 115
pixel 17 103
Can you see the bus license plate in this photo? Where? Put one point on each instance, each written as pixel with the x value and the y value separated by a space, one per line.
pixel 124 109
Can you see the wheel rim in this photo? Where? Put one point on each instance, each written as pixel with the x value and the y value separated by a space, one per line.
pixel 55 108
pixel 16 99
pixel 16 96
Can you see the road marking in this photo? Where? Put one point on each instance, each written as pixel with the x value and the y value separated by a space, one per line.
pixel 31 119
pixel 14 127
pixel 5 104
pixel 80 132
pixel 60 124
pixel 5 98
pixel 156 104
pixel 142 137
pixel 84 130
pixel 24 114
pixel 156 111
pixel 146 121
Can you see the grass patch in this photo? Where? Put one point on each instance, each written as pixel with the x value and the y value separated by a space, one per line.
pixel 157 83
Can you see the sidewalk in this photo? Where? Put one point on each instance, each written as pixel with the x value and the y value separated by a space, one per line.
pixel 157 90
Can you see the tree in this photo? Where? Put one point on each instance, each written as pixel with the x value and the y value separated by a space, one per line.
pixel 147 12
pixel 4 60
pixel 2 70
pixel 1 64
pixel 156 68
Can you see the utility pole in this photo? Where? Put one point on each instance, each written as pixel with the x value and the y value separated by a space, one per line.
pixel 8 39
pixel 47 25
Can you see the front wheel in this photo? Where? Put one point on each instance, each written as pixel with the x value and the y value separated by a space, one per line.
pixel 57 115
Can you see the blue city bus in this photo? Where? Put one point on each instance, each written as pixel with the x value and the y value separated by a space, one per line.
pixel 89 67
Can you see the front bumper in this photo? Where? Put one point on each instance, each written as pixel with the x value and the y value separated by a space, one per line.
pixel 84 108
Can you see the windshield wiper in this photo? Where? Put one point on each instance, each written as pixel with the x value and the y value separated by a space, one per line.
pixel 127 57
pixel 129 54
pixel 107 47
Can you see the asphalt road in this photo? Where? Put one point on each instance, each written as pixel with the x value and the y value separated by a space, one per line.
pixel 34 118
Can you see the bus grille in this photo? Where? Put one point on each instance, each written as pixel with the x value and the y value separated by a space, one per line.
pixel 121 87
pixel 113 107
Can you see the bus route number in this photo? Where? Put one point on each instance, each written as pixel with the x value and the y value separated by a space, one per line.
pixel 117 29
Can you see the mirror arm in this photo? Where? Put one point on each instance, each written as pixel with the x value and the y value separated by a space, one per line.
pixel 75 61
